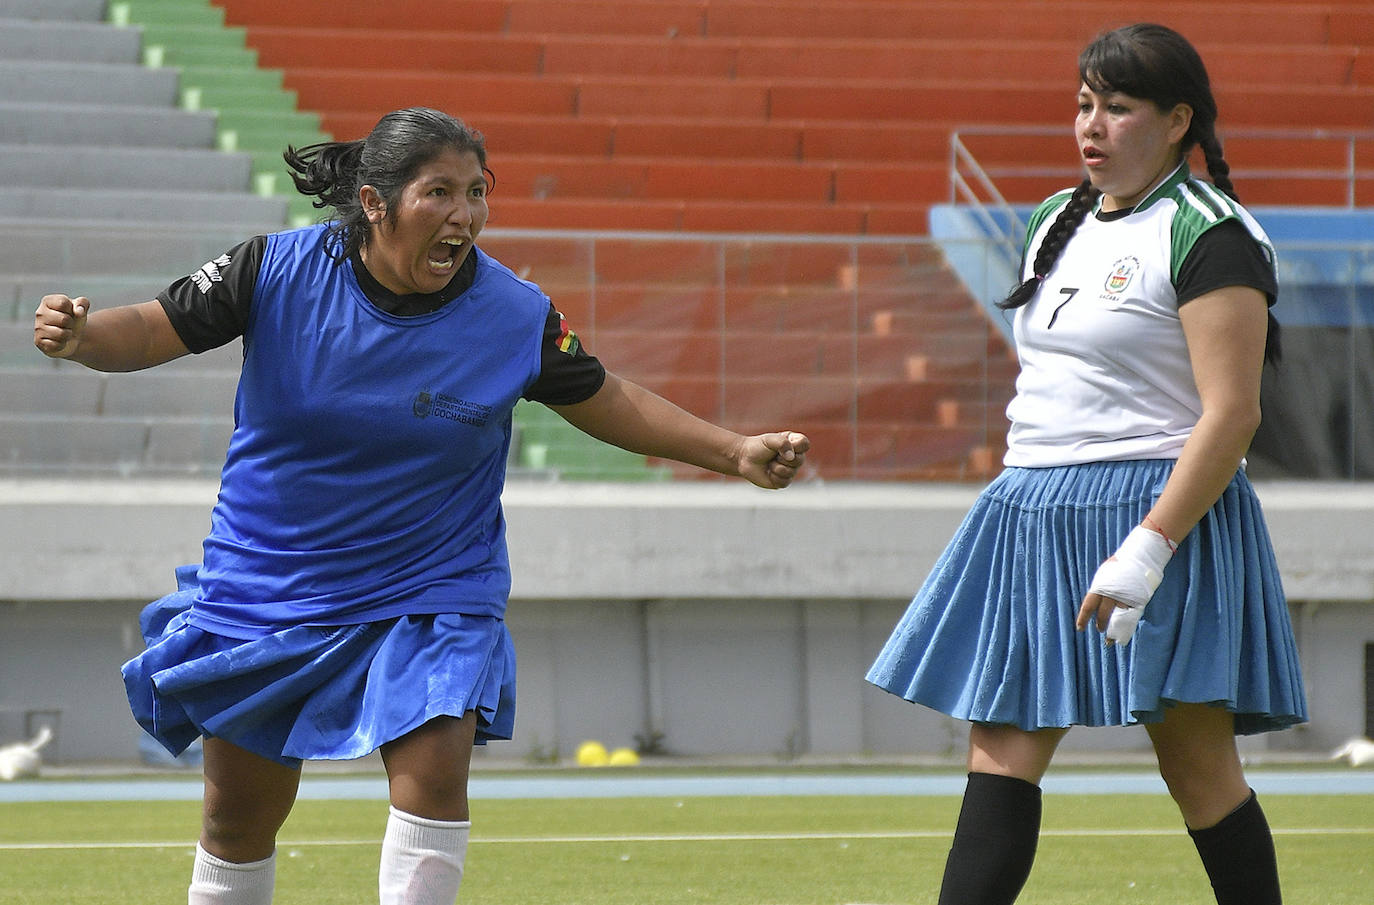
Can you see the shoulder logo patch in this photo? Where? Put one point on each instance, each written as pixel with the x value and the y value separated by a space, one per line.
pixel 210 273
pixel 567 340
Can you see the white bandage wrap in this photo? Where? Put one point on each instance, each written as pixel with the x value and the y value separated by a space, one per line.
pixel 1130 577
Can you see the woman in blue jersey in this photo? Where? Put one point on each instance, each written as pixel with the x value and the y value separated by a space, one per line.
pixel 354 580
pixel 1123 512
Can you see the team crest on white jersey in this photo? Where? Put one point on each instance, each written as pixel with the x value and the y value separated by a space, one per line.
pixel 1121 275
pixel 209 273
pixel 1123 271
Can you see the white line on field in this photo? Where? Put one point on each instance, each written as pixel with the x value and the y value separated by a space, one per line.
pixel 674 837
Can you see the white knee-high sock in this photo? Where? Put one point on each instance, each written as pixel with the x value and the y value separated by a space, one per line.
pixel 215 881
pixel 422 860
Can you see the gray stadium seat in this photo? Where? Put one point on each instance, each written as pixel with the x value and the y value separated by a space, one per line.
pixel 53 10
pixel 90 42
pixel 151 169
pixel 187 446
pixel 123 205
pixel 156 393
pixel 74 445
pixel 69 391
pixel 109 189
pixel 74 82
pixel 91 248
pixel 60 445
pixel 46 123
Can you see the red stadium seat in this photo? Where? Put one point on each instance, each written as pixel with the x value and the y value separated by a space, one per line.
pixel 766 117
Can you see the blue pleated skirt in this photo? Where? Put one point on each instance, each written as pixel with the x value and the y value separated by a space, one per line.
pixel 317 692
pixel 990 635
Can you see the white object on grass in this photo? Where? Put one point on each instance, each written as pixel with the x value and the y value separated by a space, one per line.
pixel 1358 751
pixel 22 758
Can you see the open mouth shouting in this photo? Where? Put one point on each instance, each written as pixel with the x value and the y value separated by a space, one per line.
pixel 445 255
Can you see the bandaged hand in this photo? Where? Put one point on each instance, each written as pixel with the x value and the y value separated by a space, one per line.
pixel 1130 577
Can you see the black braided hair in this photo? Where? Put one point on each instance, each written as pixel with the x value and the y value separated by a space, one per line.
pixel 1064 226
pixel 333 172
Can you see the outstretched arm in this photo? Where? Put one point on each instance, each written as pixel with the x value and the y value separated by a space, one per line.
pixel 627 415
pixel 126 338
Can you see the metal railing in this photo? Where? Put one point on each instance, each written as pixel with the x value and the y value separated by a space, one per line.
pixel 1340 166
pixel 971 184
pixel 1317 422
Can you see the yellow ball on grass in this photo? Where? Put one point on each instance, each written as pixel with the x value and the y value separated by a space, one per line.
pixel 592 754
pixel 623 757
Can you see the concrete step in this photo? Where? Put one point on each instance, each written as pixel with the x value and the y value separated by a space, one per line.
pixel 154 169
pixel 200 208
pixel 53 10
pixel 87 83
pixel 98 124
pixel 109 247
pixel 89 42
pixel 74 445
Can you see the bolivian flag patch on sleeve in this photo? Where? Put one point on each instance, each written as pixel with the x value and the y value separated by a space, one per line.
pixel 567 340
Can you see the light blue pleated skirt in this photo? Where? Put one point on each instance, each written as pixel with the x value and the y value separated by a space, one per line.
pixel 990 636
pixel 317 692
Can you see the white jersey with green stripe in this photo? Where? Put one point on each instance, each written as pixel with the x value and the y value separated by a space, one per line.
pixel 1105 373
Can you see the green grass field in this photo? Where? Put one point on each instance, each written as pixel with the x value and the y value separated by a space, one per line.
pixel 800 850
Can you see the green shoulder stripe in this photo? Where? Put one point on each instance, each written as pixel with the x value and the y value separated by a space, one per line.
pixel 1049 207
pixel 1201 206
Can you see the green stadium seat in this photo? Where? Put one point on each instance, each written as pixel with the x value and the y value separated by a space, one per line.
pixel 166 12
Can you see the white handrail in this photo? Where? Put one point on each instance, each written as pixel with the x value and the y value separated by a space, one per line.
pixel 1008 234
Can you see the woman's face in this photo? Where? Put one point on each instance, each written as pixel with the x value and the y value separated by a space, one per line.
pixel 1127 144
pixel 432 229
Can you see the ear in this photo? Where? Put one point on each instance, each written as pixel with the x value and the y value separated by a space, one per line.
pixel 373 205
pixel 1180 121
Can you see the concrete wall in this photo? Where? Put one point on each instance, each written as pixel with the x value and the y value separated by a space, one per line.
pixel 729 619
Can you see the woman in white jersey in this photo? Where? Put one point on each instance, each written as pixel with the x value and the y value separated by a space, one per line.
pixel 352 590
pixel 1118 571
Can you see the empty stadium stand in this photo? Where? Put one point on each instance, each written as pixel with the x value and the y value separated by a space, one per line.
pixel 763 115
pixel 109 188
pixel 818 117
pixel 748 183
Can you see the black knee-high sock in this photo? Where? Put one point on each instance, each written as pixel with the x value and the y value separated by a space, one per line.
pixel 994 842
pixel 1238 854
